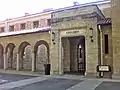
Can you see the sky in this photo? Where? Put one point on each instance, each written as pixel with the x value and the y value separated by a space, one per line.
pixel 17 8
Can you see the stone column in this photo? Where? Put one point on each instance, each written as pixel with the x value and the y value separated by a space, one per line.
pixel 5 60
pixel 91 49
pixel 18 62
pixel 55 55
pixel 33 62
pixel 60 57
pixel 73 54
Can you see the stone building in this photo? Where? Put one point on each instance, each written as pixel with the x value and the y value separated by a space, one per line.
pixel 73 40
pixel 82 39
pixel 24 42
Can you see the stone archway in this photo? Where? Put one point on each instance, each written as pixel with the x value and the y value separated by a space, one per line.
pixel 9 55
pixel 41 51
pixel 25 56
pixel 81 55
pixel 73 55
pixel 1 57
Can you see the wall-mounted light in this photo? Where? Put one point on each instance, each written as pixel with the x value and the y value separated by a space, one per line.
pixel 91 34
pixel 53 37
pixel 80 47
pixel 49 32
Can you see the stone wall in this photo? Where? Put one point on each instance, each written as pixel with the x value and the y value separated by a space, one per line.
pixel 116 35
pixel 66 54
pixel 41 57
pixel 105 9
pixel 107 12
pixel 107 58
pixel 27 58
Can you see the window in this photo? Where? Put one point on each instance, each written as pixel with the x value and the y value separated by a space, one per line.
pixel 106 44
pixel 11 28
pixel 2 29
pixel 22 26
pixel 35 24
pixel 48 22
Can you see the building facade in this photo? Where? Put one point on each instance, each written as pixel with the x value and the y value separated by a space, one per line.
pixel 22 40
pixel 81 40
pixel 72 43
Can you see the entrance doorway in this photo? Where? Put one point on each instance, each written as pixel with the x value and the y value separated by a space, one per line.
pixel 73 55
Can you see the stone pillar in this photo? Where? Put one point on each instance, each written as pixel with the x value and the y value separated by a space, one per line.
pixel 33 62
pixel 5 60
pixel 72 57
pixel 55 55
pixel 91 49
pixel 60 57
pixel 18 62
pixel 73 54
pixel 66 54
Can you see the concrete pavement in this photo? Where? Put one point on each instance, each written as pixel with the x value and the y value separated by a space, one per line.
pixel 86 85
pixel 64 82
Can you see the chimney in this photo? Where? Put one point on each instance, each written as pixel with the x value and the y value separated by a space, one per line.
pixel 75 3
pixel 26 14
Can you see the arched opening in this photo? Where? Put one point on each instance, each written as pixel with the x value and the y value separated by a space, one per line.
pixel 81 55
pixel 41 51
pixel 9 54
pixel 1 57
pixel 25 56
pixel 73 55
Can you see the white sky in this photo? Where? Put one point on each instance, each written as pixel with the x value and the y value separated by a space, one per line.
pixel 16 8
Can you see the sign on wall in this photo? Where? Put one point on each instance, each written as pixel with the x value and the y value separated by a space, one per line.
pixel 73 32
pixel 103 68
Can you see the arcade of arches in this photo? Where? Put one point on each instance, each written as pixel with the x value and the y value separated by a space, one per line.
pixel 41 53
pixel 23 54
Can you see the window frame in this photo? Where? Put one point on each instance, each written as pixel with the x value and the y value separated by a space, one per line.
pixel 36 24
pixel 21 27
pixel 106 43
pixel 48 22
pixel 13 26
pixel 2 29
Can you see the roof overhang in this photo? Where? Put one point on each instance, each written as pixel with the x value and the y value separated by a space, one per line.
pixel 106 21
pixel 14 33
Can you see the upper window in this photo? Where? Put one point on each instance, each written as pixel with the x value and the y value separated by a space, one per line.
pixel 35 24
pixel 48 22
pixel 2 29
pixel 22 26
pixel 11 28
pixel 106 43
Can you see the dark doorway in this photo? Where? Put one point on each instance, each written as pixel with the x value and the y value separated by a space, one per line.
pixel 74 55
pixel 81 56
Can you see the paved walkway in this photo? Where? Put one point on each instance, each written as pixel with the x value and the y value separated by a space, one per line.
pixel 66 82
pixel 21 83
pixel 86 85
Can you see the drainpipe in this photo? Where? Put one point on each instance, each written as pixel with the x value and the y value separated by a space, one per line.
pixel 101 39
pixel 101 44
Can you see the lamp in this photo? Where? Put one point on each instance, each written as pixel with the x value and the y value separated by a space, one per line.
pixel 91 34
pixel 53 37
pixel 80 46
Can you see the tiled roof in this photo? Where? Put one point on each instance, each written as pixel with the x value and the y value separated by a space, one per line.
pixel 105 21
